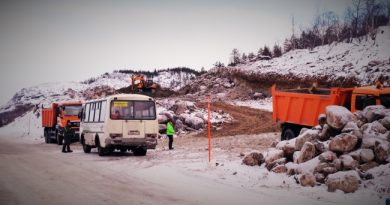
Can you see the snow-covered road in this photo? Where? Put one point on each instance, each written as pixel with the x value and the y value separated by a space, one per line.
pixel 40 174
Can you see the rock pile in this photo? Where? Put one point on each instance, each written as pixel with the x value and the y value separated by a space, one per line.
pixel 338 152
pixel 187 117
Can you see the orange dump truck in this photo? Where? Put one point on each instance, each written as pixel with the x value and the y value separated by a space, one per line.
pixel 54 120
pixel 298 108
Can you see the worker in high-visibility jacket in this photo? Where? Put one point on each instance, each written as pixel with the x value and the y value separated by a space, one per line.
pixel 170 133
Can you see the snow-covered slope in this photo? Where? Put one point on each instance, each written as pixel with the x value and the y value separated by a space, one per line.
pixel 364 58
pixel 106 84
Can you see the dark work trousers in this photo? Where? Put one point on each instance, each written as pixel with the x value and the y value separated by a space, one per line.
pixel 170 142
pixel 66 144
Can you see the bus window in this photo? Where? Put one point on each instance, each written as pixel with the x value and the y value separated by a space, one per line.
pixel 144 110
pixel 363 101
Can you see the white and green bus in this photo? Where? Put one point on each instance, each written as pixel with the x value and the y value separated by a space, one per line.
pixel 119 122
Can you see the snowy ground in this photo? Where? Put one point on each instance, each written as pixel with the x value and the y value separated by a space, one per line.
pixel 264 104
pixel 181 176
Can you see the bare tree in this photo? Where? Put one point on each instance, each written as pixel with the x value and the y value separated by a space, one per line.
pixel 235 57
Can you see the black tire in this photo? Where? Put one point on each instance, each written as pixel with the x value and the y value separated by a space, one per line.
pixel 86 148
pixel 59 138
pixel 140 151
pixel 123 150
pixel 45 134
pixel 102 151
pixel 288 134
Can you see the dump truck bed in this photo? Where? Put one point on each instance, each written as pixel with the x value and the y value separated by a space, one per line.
pixel 299 106
pixel 48 117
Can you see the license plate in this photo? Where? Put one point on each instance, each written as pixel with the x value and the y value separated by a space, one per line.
pixel 133 132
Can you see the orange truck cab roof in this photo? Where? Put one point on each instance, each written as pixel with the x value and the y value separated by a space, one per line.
pixel 371 90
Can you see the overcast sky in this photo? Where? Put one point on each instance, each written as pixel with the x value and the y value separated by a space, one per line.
pixel 50 41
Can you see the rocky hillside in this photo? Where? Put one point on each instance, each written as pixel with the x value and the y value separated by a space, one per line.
pixel 360 62
pixel 106 84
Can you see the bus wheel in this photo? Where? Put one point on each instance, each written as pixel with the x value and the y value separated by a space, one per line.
pixel 140 151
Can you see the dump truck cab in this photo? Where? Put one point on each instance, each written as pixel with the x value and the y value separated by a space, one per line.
pixel 54 120
pixel 369 95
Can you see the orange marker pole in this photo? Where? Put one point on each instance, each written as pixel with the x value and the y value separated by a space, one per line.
pixel 208 127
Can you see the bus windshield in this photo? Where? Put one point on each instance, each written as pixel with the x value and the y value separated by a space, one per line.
pixel 72 110
pixel 133 110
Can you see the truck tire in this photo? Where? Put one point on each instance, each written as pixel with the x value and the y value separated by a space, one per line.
pixel 59 138
pixel 123 150
pixel 45 134
pixel 140 151
pixel 288 134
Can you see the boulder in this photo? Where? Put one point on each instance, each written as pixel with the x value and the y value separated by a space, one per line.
pixel 179 125
pixel 352 128
pixel 368 165
pixel 279 169
pixel 307 152
pixel 326 133
pixel 321 166
pixel 258 96
pixel 374 112
pixel 296 155
pixel 348 163
pixel 343 142
pixel 202 88
pixel 162 119
pixel 360 119
pixel 291 168
pixel 363 155
pixel 327 156
pixel 382 152
pixel 337 164
pixel 385 122
pixel 307 179
pixel 320 178
pixel 275 163
pixel 369 142
pixel 322 120
pixel 337 116
pixel 272 155
pixel 179 108
pixel 288 147
pixel 329 170
pixel 308 166
pixel 373 129
pixel 347 181
pixel 162 128
pixel 307 136
pixel 253 159
pixel 320 147
pixel 194 122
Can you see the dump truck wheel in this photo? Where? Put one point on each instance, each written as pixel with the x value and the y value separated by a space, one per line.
pixel 45 134
pixel 123 150
pixel 288 134
pixel 59 138
pixel 86 148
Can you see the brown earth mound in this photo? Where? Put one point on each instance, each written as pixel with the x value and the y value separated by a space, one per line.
pixel 246 120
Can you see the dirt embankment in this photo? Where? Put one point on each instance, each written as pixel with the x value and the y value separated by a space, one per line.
pixel 246 120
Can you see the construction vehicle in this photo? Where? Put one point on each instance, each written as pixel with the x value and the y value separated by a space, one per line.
pixel 295 109
pixel 54 120
pixel 140 84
